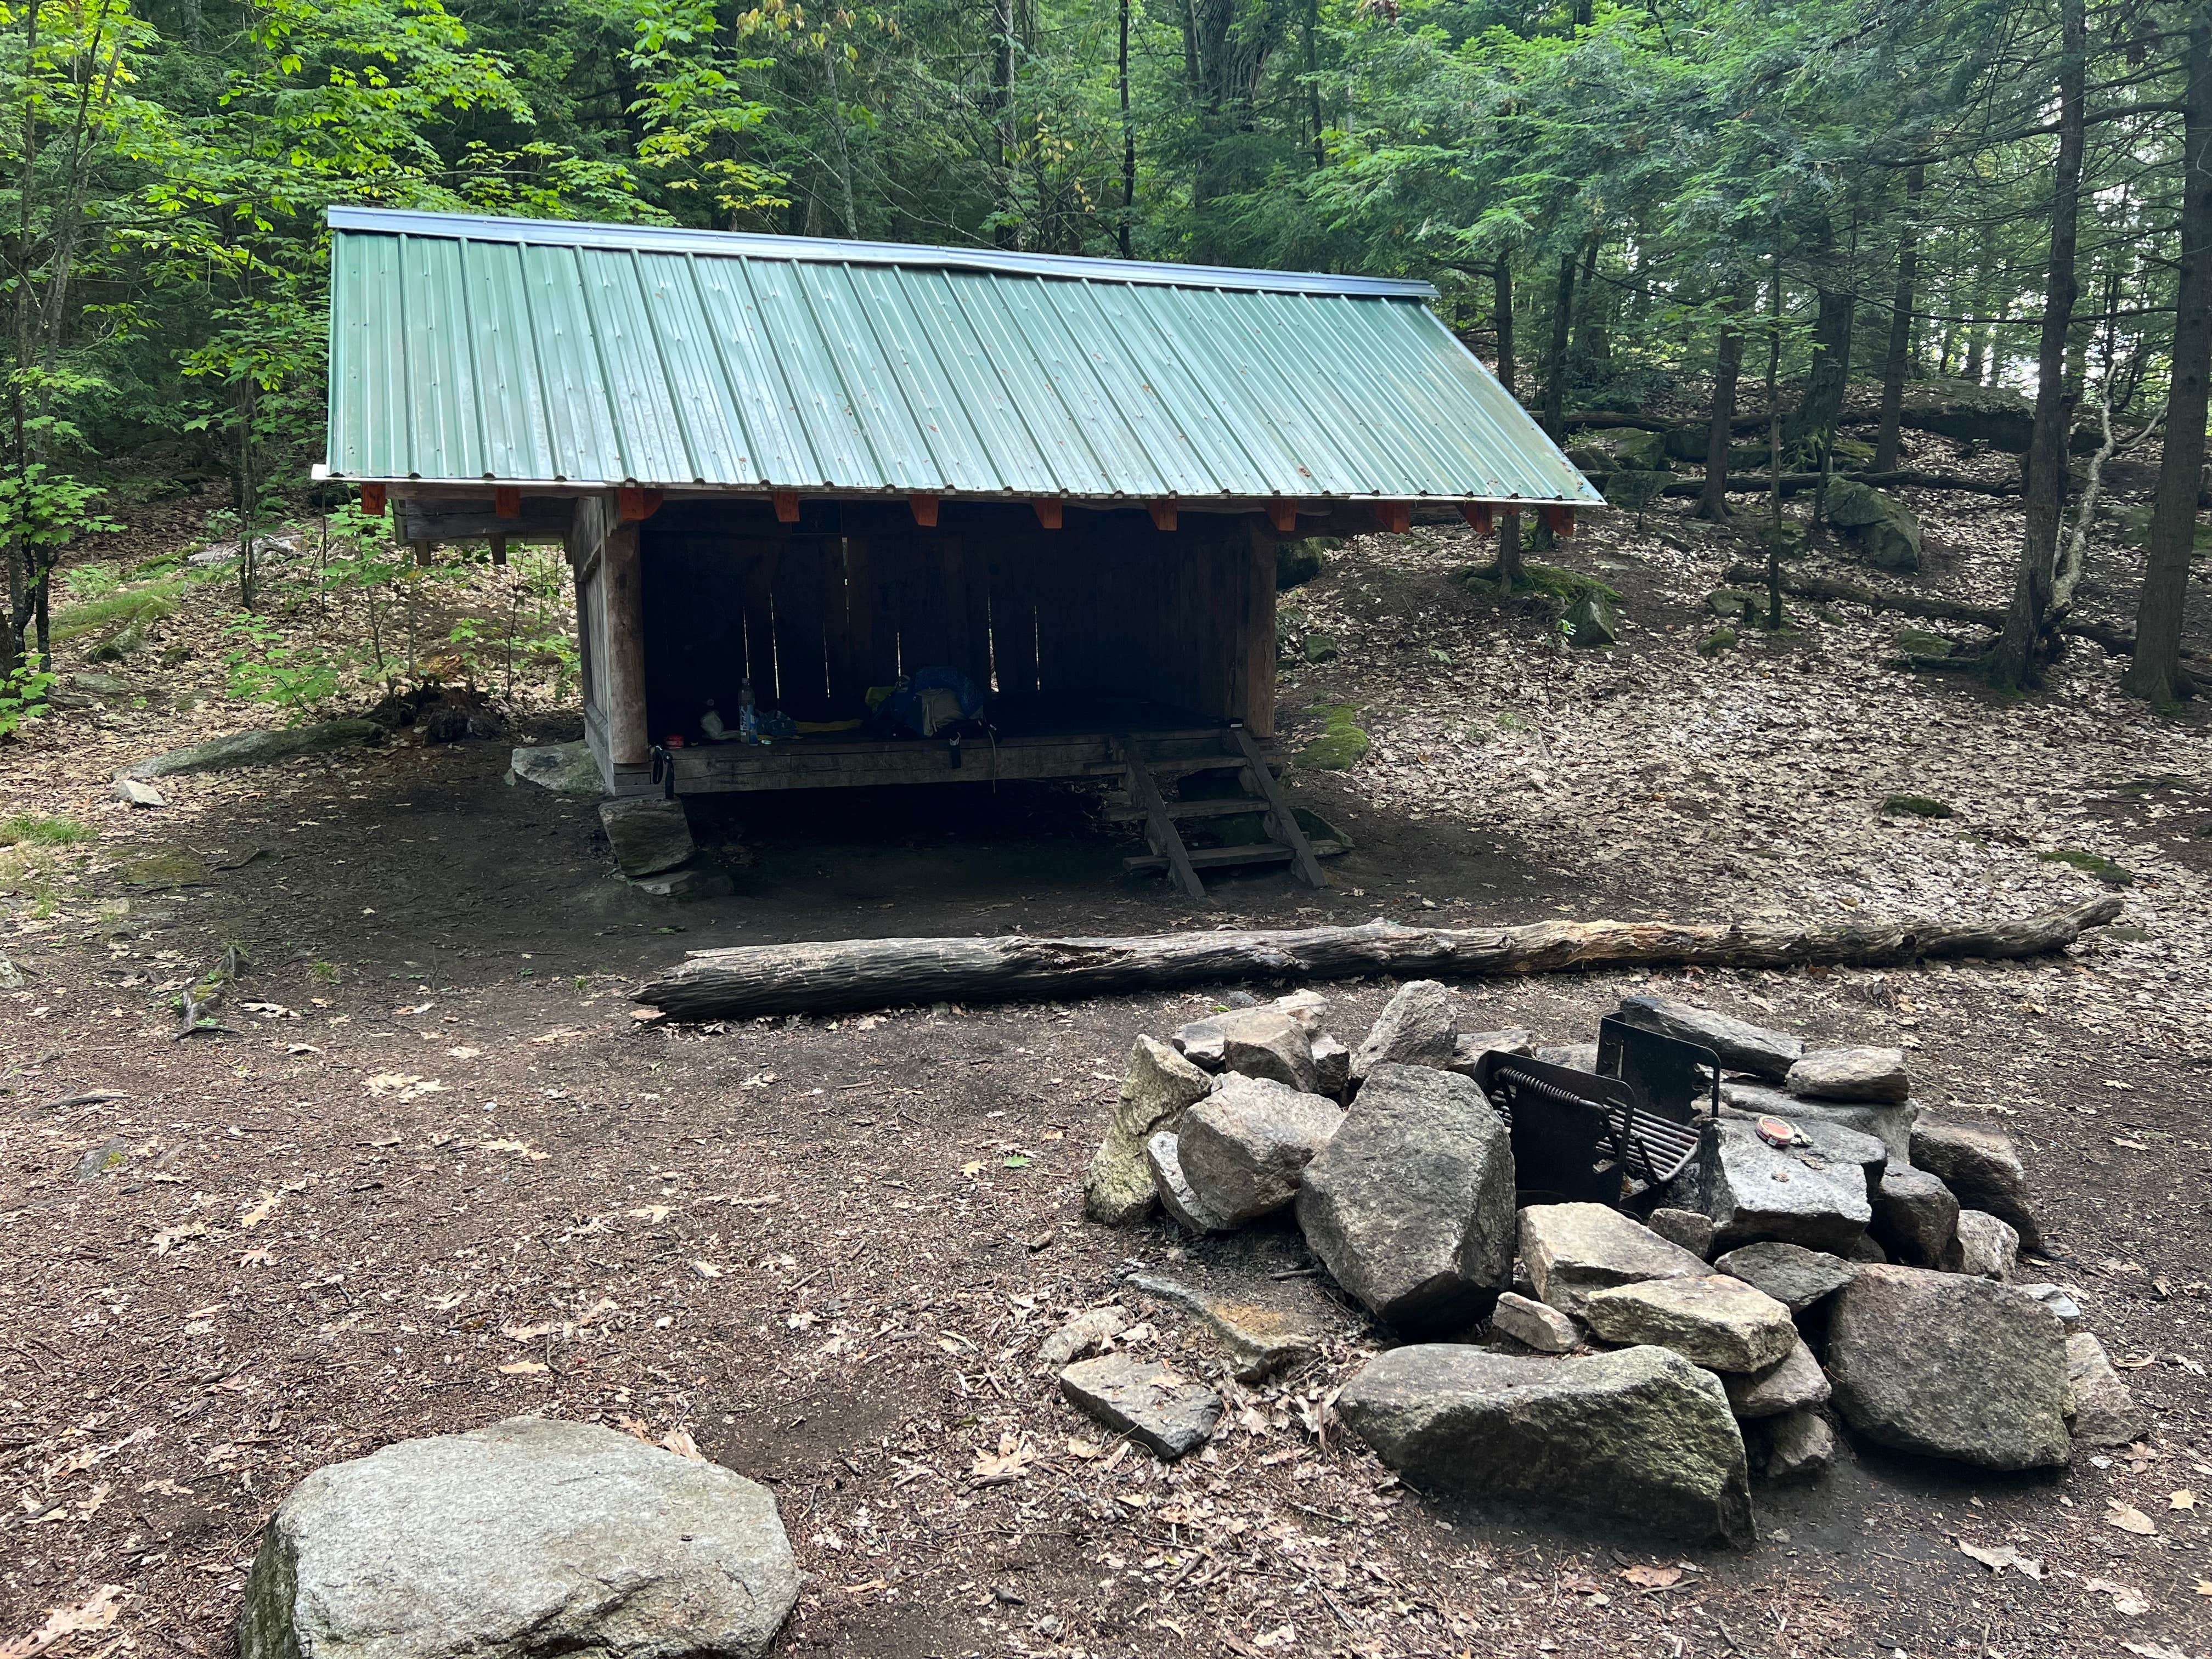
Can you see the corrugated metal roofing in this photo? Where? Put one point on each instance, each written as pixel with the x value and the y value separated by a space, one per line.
pixel 468 349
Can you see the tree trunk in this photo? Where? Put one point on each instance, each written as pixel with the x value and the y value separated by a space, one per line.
pixel 1977 331
pixel 1128 142
pixel 836 975
pixel 1555 359
pixel 1727 366
pixel 2017 663
pixel 1509 574
pixel 2155 674
pixel 1900 324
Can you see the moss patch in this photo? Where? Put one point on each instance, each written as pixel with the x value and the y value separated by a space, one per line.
pixel 1918 806
pixel 30 829
pixel 1720 639
pixel 2092 864
pixel 165 869
pixel 1341 746
pixel 126 608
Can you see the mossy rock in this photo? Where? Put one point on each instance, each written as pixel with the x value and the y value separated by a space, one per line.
pixel 163 870
pixel 2092 864
pixel 1592 623
pixel 1298 562
pixel 1566 585
pixel 1735 602
pixel 1883 528
pixel 1786 540
pixel 1720 639
pixel 1918 806
pixel 1321 647
pixel 1341 746
pixel 1919 642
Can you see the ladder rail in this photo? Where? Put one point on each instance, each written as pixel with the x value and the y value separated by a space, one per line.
pixel 1285 824
pixel 1159 828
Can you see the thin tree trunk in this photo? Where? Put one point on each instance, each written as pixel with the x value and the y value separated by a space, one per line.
pixel 1774 447
pixel 1900 324
pixel 1977 331
pixel 2017 662
pixel 1128 141
pixel 1509 574
pixel 1728 367
pixel 833 975
pixel 1555 359
pixel 2156 674
pixel 1313 82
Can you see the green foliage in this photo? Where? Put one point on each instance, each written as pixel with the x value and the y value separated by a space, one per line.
pixel 92 582
pixel 2092 864
pixel 265 667
pixel 38 829
pixel 23 691
pixel 126 607
pixel 1720 639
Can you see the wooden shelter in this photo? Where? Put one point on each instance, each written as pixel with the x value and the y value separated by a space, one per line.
pixel 821 468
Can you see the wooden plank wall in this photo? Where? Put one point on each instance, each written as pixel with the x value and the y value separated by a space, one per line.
pixel 818 612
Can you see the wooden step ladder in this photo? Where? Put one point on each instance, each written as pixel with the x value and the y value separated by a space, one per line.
pixel 1286 841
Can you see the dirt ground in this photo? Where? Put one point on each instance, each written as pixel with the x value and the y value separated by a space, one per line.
pixel 439 1172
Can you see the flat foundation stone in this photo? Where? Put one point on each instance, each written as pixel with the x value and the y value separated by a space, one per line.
pixel 1572 1250
pixel 1167 1413
pixel 1716 1322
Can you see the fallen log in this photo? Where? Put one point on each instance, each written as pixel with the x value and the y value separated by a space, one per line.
pixel 834 976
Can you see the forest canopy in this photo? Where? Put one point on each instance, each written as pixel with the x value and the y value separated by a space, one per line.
pixel 1618 202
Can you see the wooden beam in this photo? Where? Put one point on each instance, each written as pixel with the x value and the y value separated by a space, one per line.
pixel 506 502
pixel 1164 514
pixel 1396 517
pixel 787 505
pixel 924 508
pixel 1252 691
pixel 372 500
pixel 1284 515
pixel 1478 514
pixel 1049 511
pixel 636 504
pixel 1560 522
pixel 621 576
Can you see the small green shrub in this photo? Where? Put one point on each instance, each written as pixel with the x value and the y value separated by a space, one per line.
pixel 33 829
pixel 92 582
pixel 126 607
pixel 1720 639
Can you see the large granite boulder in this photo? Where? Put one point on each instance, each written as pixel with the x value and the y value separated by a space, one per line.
pixel 1950 1366
pixel 1573 1250
pixel 1163 1159
pixel 1753 1190
pixel 1245 1145
pixel 1981 1166
pixel 263 748
pixel 1740 1045
pixel 1883 528
pixel 1716 1322
pixel 1158 1087
pixel 1638 1432
pixel 1272 1044
pixel 528 1539
pixel 1416 1027
pixel 1892 1125
pixel 1410 1206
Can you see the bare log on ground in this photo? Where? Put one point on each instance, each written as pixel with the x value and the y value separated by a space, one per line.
pixel 836 975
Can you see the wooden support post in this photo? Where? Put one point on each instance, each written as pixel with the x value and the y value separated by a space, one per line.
pixel 787 505
pixel 1478 514
pixel 924 508
pixel 372 500
pixel 1252 691
pixel 1560 522
pixel 1049 512
pixel 1164 514
pixel 1396 517
pixel 421 552
pixel 506 502
pixel 499 549
pixel 1284 515
pixel 637 504
pixel 621 572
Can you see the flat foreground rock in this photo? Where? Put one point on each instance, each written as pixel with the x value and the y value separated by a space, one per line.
pixel 266 748
pixel 1410 1206
pixel 1790 1273
pixel 1867 1074
pixel 1159 1408
pixel 1752 1191
pixel 1950 1366
pixel 1740 1045
pixel 1641 1433
pixel 528 1539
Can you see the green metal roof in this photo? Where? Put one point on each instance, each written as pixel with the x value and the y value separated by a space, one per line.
pixel 467 349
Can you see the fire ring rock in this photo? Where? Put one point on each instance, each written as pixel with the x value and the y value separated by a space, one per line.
pixel 1950 1366
pixel 526 1538
pixel 1245 1145
pixel 1640 1433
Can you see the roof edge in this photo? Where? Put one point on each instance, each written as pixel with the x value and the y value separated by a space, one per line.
pixel 576 233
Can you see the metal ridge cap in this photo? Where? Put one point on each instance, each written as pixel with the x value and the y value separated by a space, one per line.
pixel 576 233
